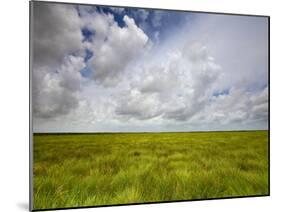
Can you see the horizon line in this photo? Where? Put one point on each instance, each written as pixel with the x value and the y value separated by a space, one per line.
pixel 128 132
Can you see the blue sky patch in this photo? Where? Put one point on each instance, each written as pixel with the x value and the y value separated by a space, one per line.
pixel 87 34
pixel 86 72
pixel 221 93
pixel 88 55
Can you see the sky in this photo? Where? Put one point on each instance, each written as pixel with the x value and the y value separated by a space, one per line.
pixel 113 69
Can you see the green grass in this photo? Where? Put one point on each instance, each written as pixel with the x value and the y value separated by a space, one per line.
pixel 74 170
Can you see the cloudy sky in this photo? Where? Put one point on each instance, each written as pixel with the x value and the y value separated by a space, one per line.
pixel 110 69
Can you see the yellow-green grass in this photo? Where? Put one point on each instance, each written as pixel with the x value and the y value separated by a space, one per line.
pixel 74 170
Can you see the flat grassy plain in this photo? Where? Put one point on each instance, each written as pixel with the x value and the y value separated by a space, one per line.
pixel 74 170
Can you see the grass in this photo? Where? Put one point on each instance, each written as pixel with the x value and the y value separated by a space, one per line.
pixel 74 170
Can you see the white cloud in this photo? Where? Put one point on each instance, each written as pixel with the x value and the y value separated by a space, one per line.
pixel 55 77
pixel 239 106
pixel 56 33
pixel 176 89
pixel 114 47
pixel 80 119
pixel 133 104
pixel 56 93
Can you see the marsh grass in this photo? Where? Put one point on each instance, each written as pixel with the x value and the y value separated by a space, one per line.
pixel 74 170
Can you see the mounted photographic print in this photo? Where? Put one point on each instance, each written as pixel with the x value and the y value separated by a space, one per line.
pixel 138 105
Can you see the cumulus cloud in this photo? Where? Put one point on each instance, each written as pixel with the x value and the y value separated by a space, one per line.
pixel 114 47
pixel 176 89
pixel 55 93
pixel 56 32
pixel 120 48
pixel 239 107
pixel 58 54
pixel 57 59
pixel 133 104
